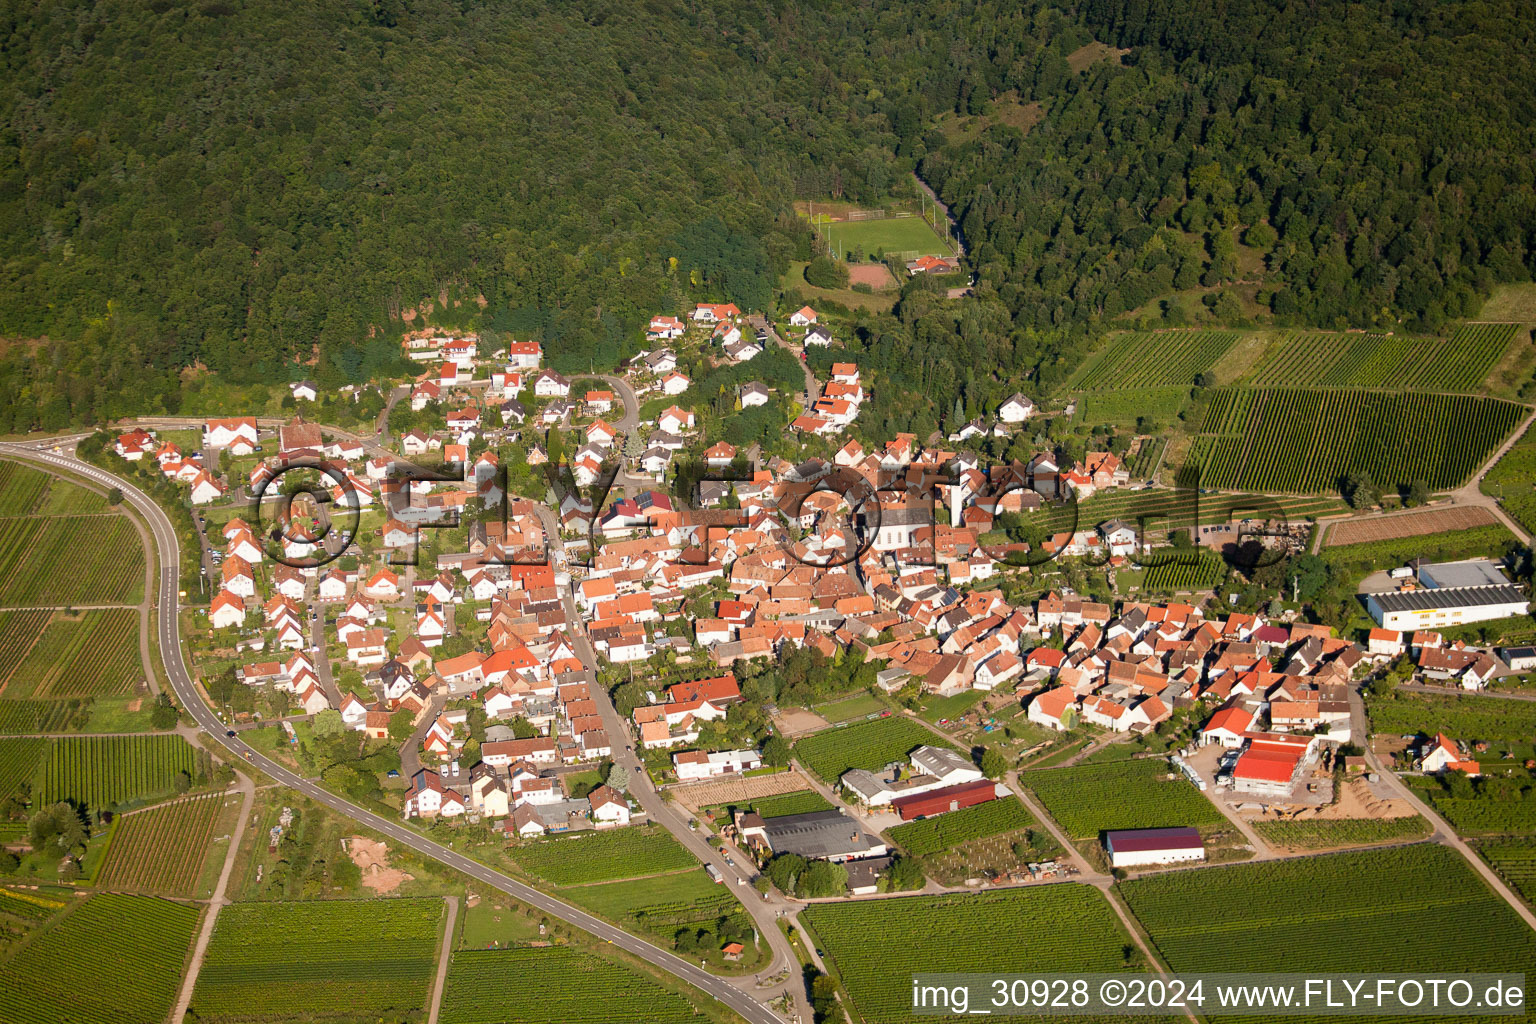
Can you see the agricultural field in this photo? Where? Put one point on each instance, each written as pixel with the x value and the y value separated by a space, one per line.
pixel 1325 833
pixel 1167 509
pixel 660 904
pixel 28 716
pixel 1291 439
pixel 1487 815
pixel 1145 460
pixel 161 851
pixel 1088 799
pixel 1355 911
pixel 1356 561
pixel 1198 569
pixel 70 560
pixel 503 986
pixel 23 912
pixel 88 654
pixel 339 960
pixel 1128 407
pixel 1515 861
pixel 1512 480
pixel 21 488
pixel 1156 359
pixel 937 834
pixel 604 856
pixel 19 759
pixel 1386 361
pixel 860 705
pixel 97 963
pixel 910 235
pixel 100 772
pixel 1466 718
pixel 868 745
pixel 802 802
pixel 1412 524
pixel 1064 927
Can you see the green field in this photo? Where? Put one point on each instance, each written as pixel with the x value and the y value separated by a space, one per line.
pixel 1356 561
pixel 503 986
pixel 70 560
pixel 910 236
pixel 28 716
pixel 1513 481
pixel 113 960
pixel 1321 834
pixel 1487 815
pixel 95 653
pixel 1047 928
pixel 1155 359
pixel 860 705
pixel 21 488
pixel 604 856
pixel 940 833
pixel 803 802
pixel 1292 439
pixel 660 903
pixel 1165 509
pixel 868 745
pixel 1197 569
pixel 1123 408
pixel 19 760
pixel 1344 912
pixel 23 912
pixel 1515 861
pixel 1311 359
pixel 1087 799
pixel 160 851
pixel 99 772
pixel 1466 718
pixel 341 960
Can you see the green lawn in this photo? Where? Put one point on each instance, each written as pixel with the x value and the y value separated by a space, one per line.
pixel 859 705
pixel 892 235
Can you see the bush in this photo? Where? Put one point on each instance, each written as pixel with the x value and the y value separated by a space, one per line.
pixel 825 272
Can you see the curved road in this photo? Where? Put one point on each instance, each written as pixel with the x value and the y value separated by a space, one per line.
pixel 186 691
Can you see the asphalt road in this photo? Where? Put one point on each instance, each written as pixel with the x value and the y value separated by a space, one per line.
pixel 186 691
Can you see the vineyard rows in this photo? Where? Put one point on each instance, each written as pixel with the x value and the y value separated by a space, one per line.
pixel 867 745
pixel 1355 911
pixel 99 772
pixel 1488 816
pixel 1386 361
pixel 1323 833
pixel 937 834
pixel 801 802
pixel 18 632
pixel 19 759
pixel 1466 718
pixel 1515 860
pixel 1287 439
pixel 1045 929
pixel 94 655
pixel 356 959
pixel 70 560
pixel 20 488
pixel 603 856
pixel 43 715
pixel 1198 569
pixel 505 986
pixel 1155 359
pixel 1087 799
pixel 658 904
pixel 112 960
pixel 161 851
pixel 1125 408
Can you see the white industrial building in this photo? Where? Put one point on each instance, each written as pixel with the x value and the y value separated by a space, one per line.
pixel 1449 594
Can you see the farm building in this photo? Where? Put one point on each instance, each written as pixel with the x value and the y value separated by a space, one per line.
pixel 1272 763
pixel 1452 593
pixel 942 801
pixel 815 835
pixel 1130 848
pixel 932 768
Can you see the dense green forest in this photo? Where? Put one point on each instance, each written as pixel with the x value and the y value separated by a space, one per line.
pixel 261 190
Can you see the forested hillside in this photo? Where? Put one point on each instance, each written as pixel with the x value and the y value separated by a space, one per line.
pixel 237 184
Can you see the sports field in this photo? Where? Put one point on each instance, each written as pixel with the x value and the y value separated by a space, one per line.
pixel 910 235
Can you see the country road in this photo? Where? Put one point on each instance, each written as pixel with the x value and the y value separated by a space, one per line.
pixel 169 557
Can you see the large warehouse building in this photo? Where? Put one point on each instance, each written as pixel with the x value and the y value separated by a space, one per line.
pixel 1449 594
pixel 1134 847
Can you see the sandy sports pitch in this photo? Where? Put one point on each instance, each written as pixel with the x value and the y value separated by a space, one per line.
pixel 1409 524
pixel 876 275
